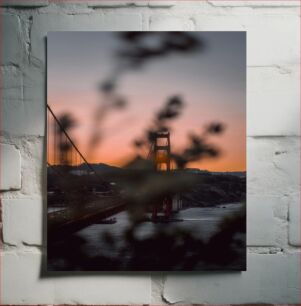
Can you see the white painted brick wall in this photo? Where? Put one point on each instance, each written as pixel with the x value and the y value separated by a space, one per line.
pixel 24 3
pixel 43 23
pixel 24 285
pixel 170 23
pixel 13 48
pixel 273 94
pixel 273 165
pixel 20 214
pixel 260 212
pixel 10 167
pixel 294 220
pixel 252 3
pixel 270 278
pixel 275 91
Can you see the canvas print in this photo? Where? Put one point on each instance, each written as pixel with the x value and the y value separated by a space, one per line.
pixel 146 151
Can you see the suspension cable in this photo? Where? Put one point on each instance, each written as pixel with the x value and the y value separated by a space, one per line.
pixel 72 143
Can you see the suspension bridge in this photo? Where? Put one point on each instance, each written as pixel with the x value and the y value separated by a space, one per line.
pixel 78 195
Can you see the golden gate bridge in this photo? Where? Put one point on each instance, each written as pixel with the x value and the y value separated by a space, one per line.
pixel 64 159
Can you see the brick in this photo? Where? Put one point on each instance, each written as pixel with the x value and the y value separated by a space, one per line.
pixel 11 84
pixel 44 23
pixel 23 104
pixel 79 5
pixel 13 46
pixel 12 105
pixel 273 97
pixel 250 3
pixel 273 165
pixel 115 3
pixel 261 223
pixel 118 3
pixel 24 3
pixel 21 279
pixel 267 221
pixel 294 220
pixel 161 3
pixel 170 23
pixel 287 158
pixel 10 167
pixel 268 279
pixel 134 289
pixel 34 101
pixel 22 221
pixel 157 285
pixel 268 34
pixel 22 284
pixel 33 166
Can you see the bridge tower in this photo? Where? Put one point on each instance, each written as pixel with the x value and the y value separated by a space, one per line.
pixel 162 162
pixel 162 151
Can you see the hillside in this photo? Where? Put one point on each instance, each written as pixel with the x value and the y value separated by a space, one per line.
pixel 214 189
pixel 207 189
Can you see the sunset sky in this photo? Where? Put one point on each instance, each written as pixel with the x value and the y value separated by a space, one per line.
pixel 211 82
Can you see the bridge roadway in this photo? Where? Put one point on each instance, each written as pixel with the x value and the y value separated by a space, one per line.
pixel 70 220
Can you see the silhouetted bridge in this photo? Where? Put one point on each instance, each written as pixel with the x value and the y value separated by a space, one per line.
pixel 66 165
pixel 68 221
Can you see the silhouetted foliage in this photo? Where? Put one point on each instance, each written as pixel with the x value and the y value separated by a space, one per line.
pixel 178 250
pixel 197 149
pixel 215 128
pixel 67 123
pixel 138 49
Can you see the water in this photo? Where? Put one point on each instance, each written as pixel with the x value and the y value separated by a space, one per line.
pixel 55 209
pixel 201 221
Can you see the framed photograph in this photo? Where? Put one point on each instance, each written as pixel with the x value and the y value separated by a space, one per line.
pixel 146 151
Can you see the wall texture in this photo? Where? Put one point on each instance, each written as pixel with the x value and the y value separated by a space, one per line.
pixel 273 35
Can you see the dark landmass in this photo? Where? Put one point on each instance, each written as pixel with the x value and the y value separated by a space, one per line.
pixel 89 197
pixel 235 173
pixel 215 189
pixel 207 189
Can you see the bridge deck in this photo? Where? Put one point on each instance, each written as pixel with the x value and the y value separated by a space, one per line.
pixel 71 219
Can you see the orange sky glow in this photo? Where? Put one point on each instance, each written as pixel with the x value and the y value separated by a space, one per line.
pixel 208 96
